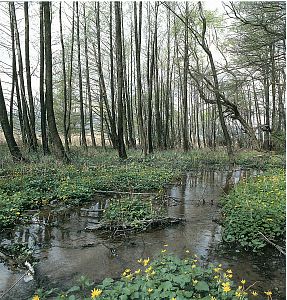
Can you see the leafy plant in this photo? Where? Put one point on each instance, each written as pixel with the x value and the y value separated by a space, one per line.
pixel 255 208
pixel 168 277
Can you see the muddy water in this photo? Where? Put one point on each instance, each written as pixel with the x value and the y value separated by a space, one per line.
pixel 66 249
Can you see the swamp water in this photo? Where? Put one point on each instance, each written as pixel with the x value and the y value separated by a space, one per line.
pixel 66 248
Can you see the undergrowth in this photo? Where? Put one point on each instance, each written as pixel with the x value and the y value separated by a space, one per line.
pixel 255 209
pixel 166 277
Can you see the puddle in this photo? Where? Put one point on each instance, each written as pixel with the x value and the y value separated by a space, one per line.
pixel 66 249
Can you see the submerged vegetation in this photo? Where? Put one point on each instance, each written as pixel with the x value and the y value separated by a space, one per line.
pixel 166 277
pixel 254 212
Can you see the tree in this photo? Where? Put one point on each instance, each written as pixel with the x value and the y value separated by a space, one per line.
pixel 59 149
pixel 120 83
pixel 82 116
pixel 41 87
pixel 138 26
pixel 8 133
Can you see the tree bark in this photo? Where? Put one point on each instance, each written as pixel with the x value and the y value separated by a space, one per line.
pixel 44 136
pixel 82 117
pixel 138 26
pixel 12 145
pixel 121 145
pixel 28 77
pixel 88 82
pixel 59 149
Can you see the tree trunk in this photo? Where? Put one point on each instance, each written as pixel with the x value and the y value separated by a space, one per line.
pixel 41 88
pixel 138 26
pixel 184 99
pixel 13 148
pixel 28 77
pixel 59 149
pixel 112 121
pixel 88 82
pixel 25 111
pixel 82 117
pixel 121 145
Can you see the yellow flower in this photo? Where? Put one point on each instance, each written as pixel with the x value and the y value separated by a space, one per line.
pixel 163 251
pixel 186 251
pixel 127 270
pixel 213 298
pixel 240 287
pixel 268 293
pixel 229 271
pixel 140 260
pixel 226 289
pixel 173 298
pixel 145 262
pixel 243 281
pixel 36 297
pixel 137 271
pixel 152 273
pixel 229 275
pixel 95 293
pixel 165 245
pixel 216 277
pixel 149 269
pixel 226 284
pixel 254 293
pixel 150 290
pixel 194 282
pixel 193 266
pixel 129 276
pixel 238 294
pixel 216 270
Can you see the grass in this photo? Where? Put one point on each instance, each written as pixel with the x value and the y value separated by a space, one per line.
pixel 256 207
pixel 166 277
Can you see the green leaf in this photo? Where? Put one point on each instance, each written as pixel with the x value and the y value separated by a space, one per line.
pixel 74 288
pixel 202 286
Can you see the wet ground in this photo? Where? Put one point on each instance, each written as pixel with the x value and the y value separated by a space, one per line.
pixel 66 249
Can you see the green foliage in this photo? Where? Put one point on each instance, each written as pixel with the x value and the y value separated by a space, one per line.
pixel 131 211
pixel 256 206
pixel 167 277
pixel 30 186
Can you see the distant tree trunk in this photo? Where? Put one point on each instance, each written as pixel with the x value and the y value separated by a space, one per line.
pixel 121 145
pixel 59 149
pixel 112 66
pixel 138 26
pixel 14 73
pixel 64 81
pixel 69 106
pixel 150 85
pixel 26 124
pixel 82 117
pixel 184 99
pixel 28 77
pixel 102 81
pixel 88 82
pixel 102 119
pixel 158 122
pixel 41 88
pixel 13 148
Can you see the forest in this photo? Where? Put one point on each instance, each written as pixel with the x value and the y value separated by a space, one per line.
pixel 142 149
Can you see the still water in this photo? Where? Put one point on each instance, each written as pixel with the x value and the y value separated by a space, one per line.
pixel 67 247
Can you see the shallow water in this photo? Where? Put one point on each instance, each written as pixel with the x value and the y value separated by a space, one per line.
pixel 66 249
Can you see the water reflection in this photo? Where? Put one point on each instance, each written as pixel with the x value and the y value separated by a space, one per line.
pixel 66 248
